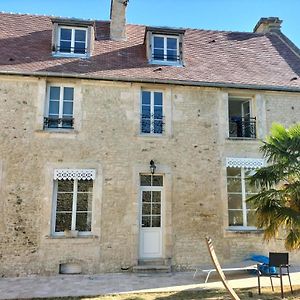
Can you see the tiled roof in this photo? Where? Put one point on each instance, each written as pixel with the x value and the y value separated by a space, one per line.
pixel 211 57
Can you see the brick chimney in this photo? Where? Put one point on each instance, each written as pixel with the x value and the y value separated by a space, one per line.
pixel 118 19
pixel 270 24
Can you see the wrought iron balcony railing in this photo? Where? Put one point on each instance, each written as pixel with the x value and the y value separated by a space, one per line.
pixel 151 124
pixel 72 50
pixel 64 123
pixel 166 57
pixel 241 127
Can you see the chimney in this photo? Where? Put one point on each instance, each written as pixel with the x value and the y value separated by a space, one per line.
pixel 270 24
pixel 118 19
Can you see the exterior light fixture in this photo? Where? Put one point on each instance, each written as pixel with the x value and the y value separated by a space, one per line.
pixel 152 166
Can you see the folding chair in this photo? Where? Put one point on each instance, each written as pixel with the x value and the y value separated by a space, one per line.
pixel 279 261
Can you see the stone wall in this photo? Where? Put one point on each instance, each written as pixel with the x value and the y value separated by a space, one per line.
pixel 191 154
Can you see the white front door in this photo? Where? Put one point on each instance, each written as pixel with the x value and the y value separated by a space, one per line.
pixel 151 200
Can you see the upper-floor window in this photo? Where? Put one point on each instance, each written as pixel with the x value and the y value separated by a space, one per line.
pixel 72 40
pixel 152 119
pixel 242 123
pixel 165 48
pixel 59 112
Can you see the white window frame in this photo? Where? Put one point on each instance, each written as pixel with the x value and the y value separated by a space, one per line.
pixel 61 103
pixel 152 133
pixel 71 54
pixel 74 208
pixel 165 61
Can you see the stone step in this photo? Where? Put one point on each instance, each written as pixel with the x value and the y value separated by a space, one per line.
pixel 151 269
pixel 153 262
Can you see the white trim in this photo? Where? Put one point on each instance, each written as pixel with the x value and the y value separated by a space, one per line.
pixel 69 174
pixel 247 163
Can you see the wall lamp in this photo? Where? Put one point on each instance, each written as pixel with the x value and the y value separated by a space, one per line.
pixel 152 166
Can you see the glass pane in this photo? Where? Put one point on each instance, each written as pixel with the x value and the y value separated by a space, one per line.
pixel 83 221
pixel 158 126
pixel 65 34
pixel 65 47
pixel 158 42
pixel 85 186
pixel 171 55
pixel 158 98
pixel 156 197
pixel 54 93
pixel 145 126
pixel 146 111
pixel 157 180
pixel 158 54
pixel 67 122
pixel 235 217
pixel 63 222
pixel 79 48
pixel 156 209
pixel 251 188
pixel 146 210
pixel 236 172
pixel 249 205
pixel 65 185
pixel 146 97
pixel 251 219
pixel 146 221
pixel 53 122
pixel 146 196
pixel 234 185
pixel 80 35
pixel 84 202
pixel 235 201
pixel 53 107
pixel 64 202
pixel 68 93
pixel 171 43
pixel 68 108
pixel 156 221
pixel 158 112
pixel 145 180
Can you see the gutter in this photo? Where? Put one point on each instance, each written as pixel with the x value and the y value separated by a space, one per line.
pixel 157 81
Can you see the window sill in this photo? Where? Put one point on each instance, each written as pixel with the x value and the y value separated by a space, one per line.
pixel 243 230
pixel 166 63
pixel 69 55
pixel 153 136
pixel 63 237
pixel 242 139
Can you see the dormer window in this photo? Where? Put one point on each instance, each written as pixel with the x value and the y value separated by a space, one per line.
pixel 72 38
pixel 164 46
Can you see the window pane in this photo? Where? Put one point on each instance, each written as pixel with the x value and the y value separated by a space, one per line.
pixel 146 210
pixel 65 34
pixel 172 55
pixel 158 42
pixel 251 188
pixel 145 126
pixel 68 108
pixel 158 98
pixel 80 35
pixel 79 48
pixel 145 180
pixel 158 112
pixel 234 185
pixel 83 221
pixel 158 126
pixel 64 202
pixel 85 186
pixel 54 93
pixel 63 222
pixel 53 122
pixel 146 221
pixel 65 185
pixel 67 122
pixel 171 43
pixel 235 218
pixel 236 172
pixel 146 111
pixel 65 47
pixel 235 201
pixel 157 180
pixel 54 108
pixel 158 54
pixel 156 209
pixel 68 93
pixel 146 97
pixel 146 196
pixel 84 202
pixel 156 197
pixel 251 218
pixel 156 221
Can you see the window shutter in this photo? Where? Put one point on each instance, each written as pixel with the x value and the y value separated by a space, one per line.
pixel 54 37
pixel 90 40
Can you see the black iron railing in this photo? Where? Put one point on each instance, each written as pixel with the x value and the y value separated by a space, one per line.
pixel 166 57
pixel 52 122
pixel 72 50
pixel 242 127
pixel 152 124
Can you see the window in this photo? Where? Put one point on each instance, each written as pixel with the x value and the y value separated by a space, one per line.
pixel 72 40
pixel 73 194
pixel 241 122
pixel 60 107
pixel 152 112
pixel 165 48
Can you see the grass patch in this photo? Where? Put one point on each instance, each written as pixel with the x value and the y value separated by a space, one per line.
pixel 211 294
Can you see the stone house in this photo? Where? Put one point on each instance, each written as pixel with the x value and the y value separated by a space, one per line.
pixel 123 144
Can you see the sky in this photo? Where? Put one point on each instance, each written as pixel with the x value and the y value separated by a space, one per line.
pixel 231 15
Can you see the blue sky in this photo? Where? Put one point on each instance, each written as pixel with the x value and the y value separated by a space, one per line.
pixel 233 15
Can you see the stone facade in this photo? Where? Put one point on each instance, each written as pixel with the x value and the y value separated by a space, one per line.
pixel 191 154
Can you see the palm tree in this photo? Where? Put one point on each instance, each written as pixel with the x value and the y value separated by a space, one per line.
pixel 278 202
